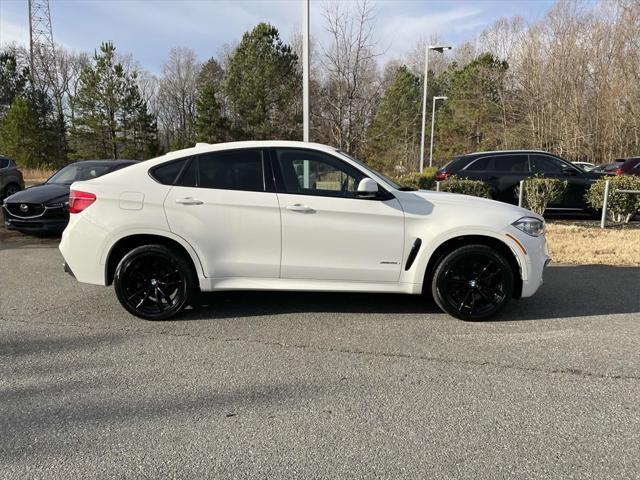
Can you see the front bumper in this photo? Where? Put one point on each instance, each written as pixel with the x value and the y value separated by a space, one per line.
pixel 534 252
pixel 51 220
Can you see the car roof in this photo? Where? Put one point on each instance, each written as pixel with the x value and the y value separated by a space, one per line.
pixel 493 152
pixel 215 147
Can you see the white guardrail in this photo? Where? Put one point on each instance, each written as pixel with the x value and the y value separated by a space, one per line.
pixel 603 220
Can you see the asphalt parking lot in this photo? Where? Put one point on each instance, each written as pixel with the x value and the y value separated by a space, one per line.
pixel 290 385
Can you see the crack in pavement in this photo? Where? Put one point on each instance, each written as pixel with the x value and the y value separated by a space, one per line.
pixel 314 348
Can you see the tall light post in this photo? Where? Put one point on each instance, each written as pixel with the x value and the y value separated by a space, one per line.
pixel 433 122
pixel 437 48
pixel 305 73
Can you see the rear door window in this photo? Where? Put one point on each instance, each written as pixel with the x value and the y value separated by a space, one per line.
pixel 230 170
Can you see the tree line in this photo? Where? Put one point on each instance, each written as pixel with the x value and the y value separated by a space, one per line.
pixel 569 84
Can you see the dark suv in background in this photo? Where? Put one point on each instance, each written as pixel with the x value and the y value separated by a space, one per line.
pixel 503 170
pixel 11 180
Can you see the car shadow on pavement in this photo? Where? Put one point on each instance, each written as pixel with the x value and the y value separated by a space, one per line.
pixel 568 291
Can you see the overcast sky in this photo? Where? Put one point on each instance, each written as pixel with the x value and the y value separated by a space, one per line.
pixel 149 28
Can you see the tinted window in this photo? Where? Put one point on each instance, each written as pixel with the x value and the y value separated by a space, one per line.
pixel 501 163
pixel 313 173
pixel 168 173
pixel 79 171
pixel 190 175
pixel 233 170
pixel 546 164
pixel 4 163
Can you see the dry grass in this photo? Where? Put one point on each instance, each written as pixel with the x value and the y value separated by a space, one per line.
pixel 36 175
pixel 584 243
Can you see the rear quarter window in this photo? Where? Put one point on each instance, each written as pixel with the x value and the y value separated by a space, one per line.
pixel 167 173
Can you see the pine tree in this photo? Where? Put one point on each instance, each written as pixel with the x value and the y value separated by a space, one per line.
pixel 210 124
pixel 263 83
pixel 112 119
pixel 393 139
pixel 13 80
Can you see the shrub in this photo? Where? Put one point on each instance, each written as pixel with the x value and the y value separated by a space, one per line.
pixel 621 206
pixel 423 181
pixel 465 186
pixel 540 192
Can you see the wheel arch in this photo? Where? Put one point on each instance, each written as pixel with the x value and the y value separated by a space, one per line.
pixel 455 242
pixel 127 243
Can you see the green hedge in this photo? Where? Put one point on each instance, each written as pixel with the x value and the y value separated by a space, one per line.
pixel 621 206
pixel 422 181
pixel 465 186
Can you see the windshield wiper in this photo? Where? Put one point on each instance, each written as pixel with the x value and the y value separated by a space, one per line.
pixel 405 188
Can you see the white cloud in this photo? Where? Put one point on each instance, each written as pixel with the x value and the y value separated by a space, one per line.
pixel 13 32
pixel 402 32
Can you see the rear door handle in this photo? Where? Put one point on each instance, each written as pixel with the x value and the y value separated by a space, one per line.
pixel 300 208
pixel 189 201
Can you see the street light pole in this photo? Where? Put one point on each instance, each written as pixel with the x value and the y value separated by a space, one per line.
pixel 433 122
pixel 305 74
pixel 437 48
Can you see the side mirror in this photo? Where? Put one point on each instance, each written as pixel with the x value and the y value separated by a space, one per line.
pixel 367 188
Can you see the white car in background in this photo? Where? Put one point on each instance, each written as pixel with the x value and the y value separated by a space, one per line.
pixel 586 166
pixel 279 215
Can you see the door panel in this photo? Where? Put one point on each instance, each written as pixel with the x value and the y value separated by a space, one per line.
pixel 577 182
pixel 341 238
pixel 220 210
pixel 328 232
pixel 502 172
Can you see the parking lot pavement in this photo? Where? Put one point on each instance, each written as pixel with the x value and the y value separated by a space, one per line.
pixel 290 385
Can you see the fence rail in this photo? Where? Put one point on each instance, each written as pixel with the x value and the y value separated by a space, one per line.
pixel 603 220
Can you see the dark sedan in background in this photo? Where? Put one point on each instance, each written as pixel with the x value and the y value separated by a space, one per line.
pixel 503 171
pixel 43 208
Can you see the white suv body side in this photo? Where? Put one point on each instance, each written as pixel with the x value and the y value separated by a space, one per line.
pixel 244 240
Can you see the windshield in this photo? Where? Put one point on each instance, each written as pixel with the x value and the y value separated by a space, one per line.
pixel 78 172
pixel 371 170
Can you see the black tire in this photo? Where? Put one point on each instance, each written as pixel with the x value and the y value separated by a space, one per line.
pixel 154 283
pixel 10 190
pixel 473 282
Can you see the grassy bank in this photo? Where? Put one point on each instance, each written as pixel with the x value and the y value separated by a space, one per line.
pixel 584 243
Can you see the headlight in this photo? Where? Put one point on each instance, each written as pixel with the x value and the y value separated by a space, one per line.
pixel 530 226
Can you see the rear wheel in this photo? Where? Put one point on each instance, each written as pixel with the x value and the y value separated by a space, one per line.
pixel 154 283
pixel 473 282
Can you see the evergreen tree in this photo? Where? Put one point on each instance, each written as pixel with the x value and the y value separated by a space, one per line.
pixel 393 139
pixel 28 133
pixel 262 84
pixel 472 118
pixel 210 124
pixel 112 119
pixel 13 80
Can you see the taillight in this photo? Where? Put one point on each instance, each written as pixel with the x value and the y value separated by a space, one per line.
pixel 78 200
pixel 440 176
pixel 617 171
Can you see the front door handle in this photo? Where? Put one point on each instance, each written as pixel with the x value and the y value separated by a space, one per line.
pixel 300 208
pixel 189 201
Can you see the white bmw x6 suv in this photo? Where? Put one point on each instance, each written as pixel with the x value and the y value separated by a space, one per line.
pixel 277 215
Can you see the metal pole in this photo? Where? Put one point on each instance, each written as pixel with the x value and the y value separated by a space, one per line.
pixel 305 73
pixel 424 105
pixel 604 204
pixel 433 122
pixel 437 186
pixel 521 193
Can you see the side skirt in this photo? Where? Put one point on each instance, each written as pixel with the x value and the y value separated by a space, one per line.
pixel 292 284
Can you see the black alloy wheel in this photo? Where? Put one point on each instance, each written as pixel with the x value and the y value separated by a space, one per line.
pixel 154 283
pixel 473 282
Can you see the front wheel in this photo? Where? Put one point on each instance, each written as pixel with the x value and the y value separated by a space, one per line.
pixel 473 282
pixel 154 283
